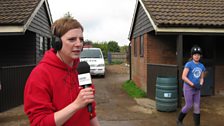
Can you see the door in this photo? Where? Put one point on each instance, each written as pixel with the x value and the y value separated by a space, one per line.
pixel 208 87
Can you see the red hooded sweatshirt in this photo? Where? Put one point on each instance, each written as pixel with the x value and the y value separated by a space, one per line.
pixel 51 86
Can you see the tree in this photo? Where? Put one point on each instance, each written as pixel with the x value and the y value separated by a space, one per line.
pixel 68 14
pixel 88 43
pixel 113 46
pixel 124 49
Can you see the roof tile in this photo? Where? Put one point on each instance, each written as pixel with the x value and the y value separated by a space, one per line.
pixel 193 13
pixel 16 12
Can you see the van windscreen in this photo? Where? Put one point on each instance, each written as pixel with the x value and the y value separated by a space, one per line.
pixel 90 54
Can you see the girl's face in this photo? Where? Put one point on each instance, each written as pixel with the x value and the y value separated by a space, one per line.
pixel 196 57
pixel 72 43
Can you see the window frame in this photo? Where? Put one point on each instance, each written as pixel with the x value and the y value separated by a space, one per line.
pixel 41 45
pixel 141 46
pixel 135 47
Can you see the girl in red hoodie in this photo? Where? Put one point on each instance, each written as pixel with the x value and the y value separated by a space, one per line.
pixel 52 95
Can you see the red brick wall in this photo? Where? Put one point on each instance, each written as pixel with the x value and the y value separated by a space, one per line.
pixel 162 50
pixel 139 64
pixel 156 51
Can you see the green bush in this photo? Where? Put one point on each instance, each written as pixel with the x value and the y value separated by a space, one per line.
pixel 116 62
pixel 132 90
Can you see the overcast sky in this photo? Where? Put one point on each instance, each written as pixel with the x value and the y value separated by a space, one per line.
pixel 103 20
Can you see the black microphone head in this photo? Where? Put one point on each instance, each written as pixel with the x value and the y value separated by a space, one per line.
pixel 83 67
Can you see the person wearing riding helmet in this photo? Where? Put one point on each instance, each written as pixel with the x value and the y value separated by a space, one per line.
pixel 193 77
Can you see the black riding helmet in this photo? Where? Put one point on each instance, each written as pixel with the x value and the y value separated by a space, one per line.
pixel 196 50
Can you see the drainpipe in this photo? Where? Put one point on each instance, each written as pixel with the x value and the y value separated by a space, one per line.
pixel 129 60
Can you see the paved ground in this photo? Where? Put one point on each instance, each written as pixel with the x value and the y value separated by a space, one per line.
pixel 116 108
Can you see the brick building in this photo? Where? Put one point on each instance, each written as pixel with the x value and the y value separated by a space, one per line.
pixel 162 34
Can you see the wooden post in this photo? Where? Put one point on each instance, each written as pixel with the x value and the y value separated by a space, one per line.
pixel 179 67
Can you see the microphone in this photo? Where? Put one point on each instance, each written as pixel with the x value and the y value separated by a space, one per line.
pixel 84 78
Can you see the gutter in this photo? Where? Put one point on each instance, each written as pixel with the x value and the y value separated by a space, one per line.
pixel 6 30
pixel 129 49
pixel 190 30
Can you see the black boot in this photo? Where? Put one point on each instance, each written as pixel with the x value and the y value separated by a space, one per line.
pixel 180 119
pixel 196 119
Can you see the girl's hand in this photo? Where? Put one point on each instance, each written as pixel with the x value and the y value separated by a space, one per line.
pixel 84 97
pixel 197 86
pixel 192 85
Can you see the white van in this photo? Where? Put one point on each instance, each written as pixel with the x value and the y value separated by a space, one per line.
pixel 94 57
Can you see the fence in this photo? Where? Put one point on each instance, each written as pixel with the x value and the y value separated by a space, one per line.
pixel 117 57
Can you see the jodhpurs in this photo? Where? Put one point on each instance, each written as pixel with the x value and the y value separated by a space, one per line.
pixel 192 98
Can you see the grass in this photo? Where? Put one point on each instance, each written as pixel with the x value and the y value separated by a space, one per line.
pixel 132 90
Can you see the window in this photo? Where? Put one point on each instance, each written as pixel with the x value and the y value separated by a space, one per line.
pixel 88 53
pixel 41 45
pixel 48 43
pixel 141 46
pixel 135 47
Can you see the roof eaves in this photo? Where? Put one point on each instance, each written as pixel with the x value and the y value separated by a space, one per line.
pixel 133 19
pixel 26 25
pixel 11 29
pixel 134 16
pixel 150 18
pixel 189 30
pixel 48 11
